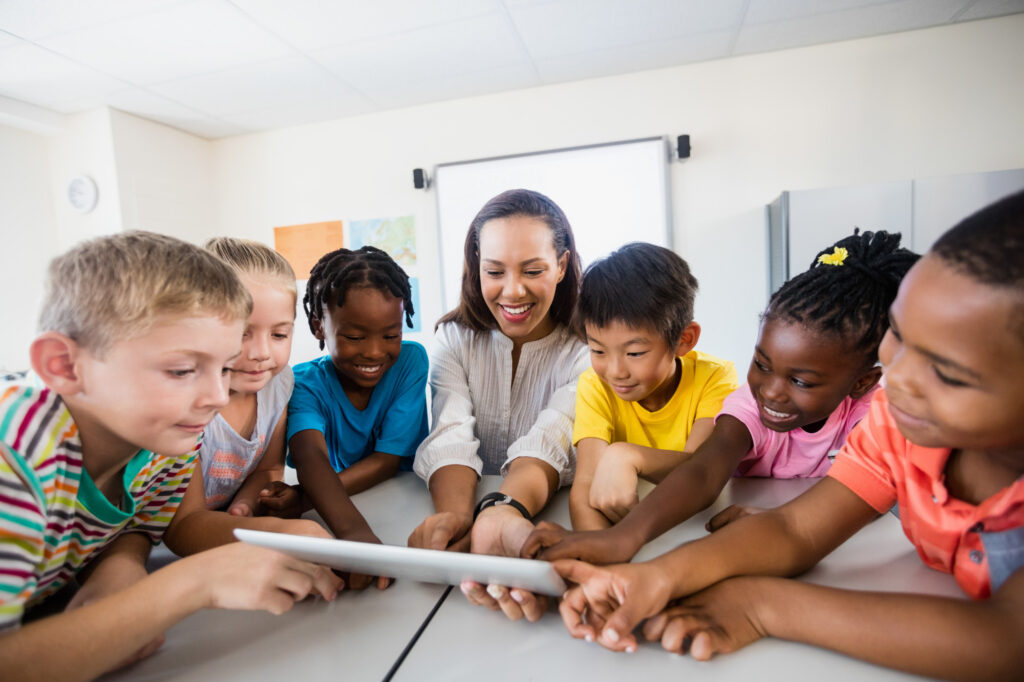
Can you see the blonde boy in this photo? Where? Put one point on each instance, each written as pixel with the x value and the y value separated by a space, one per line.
pixel 136 335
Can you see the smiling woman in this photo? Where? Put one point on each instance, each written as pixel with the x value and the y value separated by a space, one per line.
pixel 503 379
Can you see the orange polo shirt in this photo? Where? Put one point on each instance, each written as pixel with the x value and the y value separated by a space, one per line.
pixel 882 467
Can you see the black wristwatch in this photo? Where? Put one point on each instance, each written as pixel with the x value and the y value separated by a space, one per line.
pixel 497 500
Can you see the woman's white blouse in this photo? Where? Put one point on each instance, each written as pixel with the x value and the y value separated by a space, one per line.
pixel 483 417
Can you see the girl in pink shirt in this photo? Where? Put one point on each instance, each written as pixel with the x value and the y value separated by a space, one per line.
pixel 814 368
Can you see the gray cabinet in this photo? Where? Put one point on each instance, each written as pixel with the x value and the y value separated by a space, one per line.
pixel 802 223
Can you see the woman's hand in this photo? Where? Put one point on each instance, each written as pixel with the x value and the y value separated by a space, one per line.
pixel 444 530
pixel 502 531
pixel 721 619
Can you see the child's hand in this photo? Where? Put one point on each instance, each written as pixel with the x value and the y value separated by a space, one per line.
pixel 718 620
pixel 281 500
pixel 358 581
pixel 241 576
pixel 444 530
pixel 608 603
pixel 240 508
pixel 610 546
pixel 728 515
pixel 613 490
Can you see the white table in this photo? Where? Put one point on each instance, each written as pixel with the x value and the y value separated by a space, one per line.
pixel 361 635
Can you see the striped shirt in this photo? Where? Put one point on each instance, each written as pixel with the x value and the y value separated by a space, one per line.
pixel 53 518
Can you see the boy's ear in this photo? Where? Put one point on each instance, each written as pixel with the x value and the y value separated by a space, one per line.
pixel 688 339
pixel 54 357
pixel 866 382
pixel 318 329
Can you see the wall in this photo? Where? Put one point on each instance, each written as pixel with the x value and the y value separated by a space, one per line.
pixel 932 102
pixel 27 223
pixel 164 177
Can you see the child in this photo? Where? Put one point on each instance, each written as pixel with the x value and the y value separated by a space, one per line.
pixel 137 332
pixel 243 447
pixel 944 439
pixel 649 399
pixel 357 414
pixel 809 382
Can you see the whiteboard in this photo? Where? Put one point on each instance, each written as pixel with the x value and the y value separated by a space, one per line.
pixel 612 194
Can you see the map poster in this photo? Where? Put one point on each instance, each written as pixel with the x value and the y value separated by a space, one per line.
pixel 303 245
pixel 396 236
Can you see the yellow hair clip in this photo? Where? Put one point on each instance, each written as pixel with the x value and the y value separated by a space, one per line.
pixel 837 256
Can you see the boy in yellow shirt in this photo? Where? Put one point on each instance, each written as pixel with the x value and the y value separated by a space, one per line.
pixel 649 398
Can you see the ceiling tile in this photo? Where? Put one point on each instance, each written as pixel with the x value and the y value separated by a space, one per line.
pixel 578 26
pixel 767 11
pixel 424 55
pixel 294 113
pixel 652 55
pixel 32 74
pixel 859 22
pixel 265 85
pixel 452 86
pixel 176 42
pixel 34 19
pixel 315 24
pixel 983 9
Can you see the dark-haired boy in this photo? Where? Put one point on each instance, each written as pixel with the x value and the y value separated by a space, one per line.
pixel 649 399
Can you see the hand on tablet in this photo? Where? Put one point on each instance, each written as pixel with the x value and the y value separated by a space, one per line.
pixel 444 530
pixel 358 581
pixel 502 531
pixel 550 542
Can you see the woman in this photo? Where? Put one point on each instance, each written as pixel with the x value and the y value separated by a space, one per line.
pixel 503 380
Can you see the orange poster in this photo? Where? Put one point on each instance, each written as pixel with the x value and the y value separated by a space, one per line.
pixel 303 245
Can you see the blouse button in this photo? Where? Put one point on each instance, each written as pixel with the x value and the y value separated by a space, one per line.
pixel 976 556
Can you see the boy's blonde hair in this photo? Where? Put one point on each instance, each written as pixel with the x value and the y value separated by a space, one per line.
pixel 253 258
pixel 114 288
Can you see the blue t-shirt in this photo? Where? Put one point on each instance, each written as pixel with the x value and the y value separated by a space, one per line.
pixel 394 421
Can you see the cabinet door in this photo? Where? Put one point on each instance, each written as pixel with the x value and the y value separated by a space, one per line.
pixel 820 217
pixel 940 203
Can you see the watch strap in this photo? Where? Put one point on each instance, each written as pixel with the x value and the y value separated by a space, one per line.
pixel 497 499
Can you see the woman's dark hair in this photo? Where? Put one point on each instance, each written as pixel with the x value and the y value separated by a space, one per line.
pixel 338 271
pixel 848 289
pixel 472 310
pixel 640 285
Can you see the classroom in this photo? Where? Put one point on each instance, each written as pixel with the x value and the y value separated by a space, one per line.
pixel 249 118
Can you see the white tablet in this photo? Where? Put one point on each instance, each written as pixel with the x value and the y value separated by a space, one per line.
pixel 424 565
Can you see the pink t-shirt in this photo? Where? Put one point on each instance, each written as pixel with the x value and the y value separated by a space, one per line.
pixel 796 453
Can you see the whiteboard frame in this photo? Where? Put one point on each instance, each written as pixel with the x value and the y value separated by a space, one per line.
pixel 666 185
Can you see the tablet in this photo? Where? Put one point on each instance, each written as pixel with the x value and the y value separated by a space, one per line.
pixel 424 565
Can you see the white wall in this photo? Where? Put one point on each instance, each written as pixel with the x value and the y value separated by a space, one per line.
pixel 932 102
pixel 27 223
pixel 164 177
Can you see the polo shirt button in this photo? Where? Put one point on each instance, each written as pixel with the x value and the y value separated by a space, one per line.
pixel 976 556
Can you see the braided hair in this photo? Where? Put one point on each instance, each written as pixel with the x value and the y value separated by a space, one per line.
pixel 340 270
pixel 848 289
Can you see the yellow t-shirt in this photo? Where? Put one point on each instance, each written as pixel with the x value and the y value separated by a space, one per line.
pixel 600 413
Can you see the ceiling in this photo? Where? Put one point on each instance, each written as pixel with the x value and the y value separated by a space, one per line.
pixel 225 67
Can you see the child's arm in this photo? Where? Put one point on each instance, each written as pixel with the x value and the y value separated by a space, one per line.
pixel 933 636
pixel 691 487
pixel 609 602
pixel 103 634
pixel 195 528
pixel 269 469
pixel 323 486
pixel 369 471
pixel 584 515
